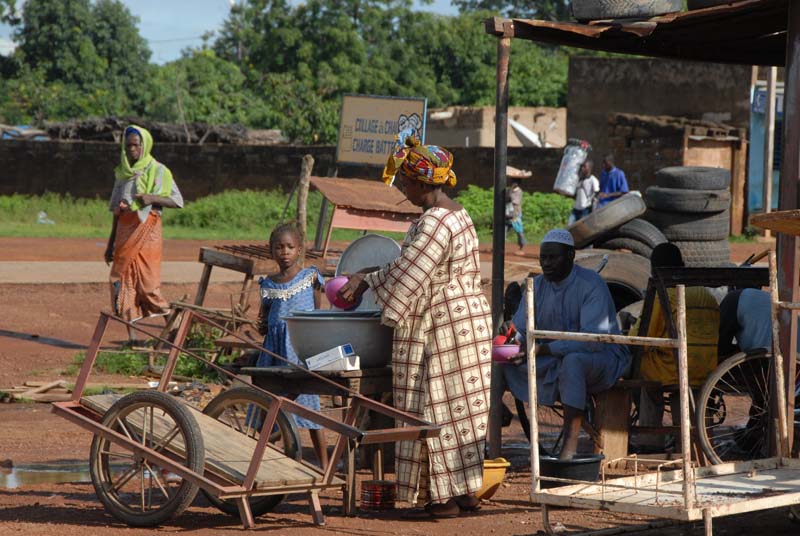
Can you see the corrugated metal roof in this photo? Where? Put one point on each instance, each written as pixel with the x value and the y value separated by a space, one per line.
pixel 749 32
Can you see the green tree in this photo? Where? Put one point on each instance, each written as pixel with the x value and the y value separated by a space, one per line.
pixel 199 87
pixel 8 12
pixel 55 38
pixel 125 55
pixel 91 55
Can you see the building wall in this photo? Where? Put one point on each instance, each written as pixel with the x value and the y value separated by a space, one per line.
pixel 85 169
pixel 460 126
pixel 600 86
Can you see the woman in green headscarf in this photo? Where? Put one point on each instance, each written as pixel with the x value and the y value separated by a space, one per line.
pixel 142 187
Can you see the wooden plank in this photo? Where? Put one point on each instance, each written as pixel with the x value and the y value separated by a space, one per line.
pixel 613 423
pixel 228 454
pixel 215 257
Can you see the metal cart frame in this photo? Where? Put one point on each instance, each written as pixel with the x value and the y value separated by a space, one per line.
pixel 230 486
pixel 688 493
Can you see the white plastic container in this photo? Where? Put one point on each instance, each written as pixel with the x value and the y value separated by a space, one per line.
pixel 567 180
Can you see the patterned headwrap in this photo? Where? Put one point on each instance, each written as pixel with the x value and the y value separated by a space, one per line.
pixel 426 163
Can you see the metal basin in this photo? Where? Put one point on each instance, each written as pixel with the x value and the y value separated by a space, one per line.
pixel 313 332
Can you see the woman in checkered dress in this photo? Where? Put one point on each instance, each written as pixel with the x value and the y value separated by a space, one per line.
pixel 431 294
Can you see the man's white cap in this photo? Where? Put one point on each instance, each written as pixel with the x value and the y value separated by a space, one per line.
pixel 559 236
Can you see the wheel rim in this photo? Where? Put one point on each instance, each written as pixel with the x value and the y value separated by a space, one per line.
pixel 244 410
pixel 129 482
pixel 246 415
pixel 734 411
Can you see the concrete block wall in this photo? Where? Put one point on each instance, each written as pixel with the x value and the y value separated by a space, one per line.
pixel 85 169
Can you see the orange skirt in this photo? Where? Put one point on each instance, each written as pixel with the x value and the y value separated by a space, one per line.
pixel 136 271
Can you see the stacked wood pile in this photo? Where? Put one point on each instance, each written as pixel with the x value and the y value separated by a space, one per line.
pixel 109 129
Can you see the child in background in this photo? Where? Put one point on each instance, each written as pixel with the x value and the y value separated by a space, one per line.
pixel 291 289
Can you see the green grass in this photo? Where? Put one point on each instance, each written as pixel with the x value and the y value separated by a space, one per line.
pixel 241 215
pixel 130 363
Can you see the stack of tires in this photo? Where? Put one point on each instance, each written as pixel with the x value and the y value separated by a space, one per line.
pixel 618 226
pixel 691 207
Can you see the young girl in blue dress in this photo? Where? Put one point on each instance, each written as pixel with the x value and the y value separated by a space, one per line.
pixel 291 289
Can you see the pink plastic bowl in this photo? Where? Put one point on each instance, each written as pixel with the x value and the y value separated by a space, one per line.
pixel 331 290
pixel 503 352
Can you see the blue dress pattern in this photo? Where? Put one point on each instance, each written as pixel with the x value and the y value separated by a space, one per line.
pixel 294 295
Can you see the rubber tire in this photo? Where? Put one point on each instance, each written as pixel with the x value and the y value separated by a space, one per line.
pixel 694 178
pixel 691 5
pixel 194 455
pixel 601 221
pixel 630 244
pixel 708 386
pixel 640 230
pixel 625 274
pixel 712 253
pixel 584 10
pixel 259 505
pixel 681 200
pixel 693 227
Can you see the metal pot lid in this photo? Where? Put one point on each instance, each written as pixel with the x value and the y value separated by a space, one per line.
pixel 369 250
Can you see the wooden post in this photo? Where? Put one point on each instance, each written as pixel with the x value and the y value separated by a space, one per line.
pixel 780 390
pixel 498 386
pixel 683 385
pixel 769 140
pixel 788 258
pixel 739 184
pixel 302 204
pixel 532 395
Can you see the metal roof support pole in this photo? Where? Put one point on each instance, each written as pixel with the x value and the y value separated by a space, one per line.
pixel 499 235
pixel 788 257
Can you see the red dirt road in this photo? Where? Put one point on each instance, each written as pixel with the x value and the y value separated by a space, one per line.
pixel 43 326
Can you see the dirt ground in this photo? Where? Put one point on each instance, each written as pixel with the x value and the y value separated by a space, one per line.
pixel 43 326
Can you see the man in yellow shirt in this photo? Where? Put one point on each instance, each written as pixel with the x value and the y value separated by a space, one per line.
pixel 702 331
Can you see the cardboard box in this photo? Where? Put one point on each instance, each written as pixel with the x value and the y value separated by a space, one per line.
pixel 350 362
pixel 322 359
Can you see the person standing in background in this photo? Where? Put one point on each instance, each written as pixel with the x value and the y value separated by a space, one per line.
pixel 585 194
pixel 613 183
pixel 514 205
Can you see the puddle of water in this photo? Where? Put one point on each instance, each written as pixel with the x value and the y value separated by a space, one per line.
pixel 44 473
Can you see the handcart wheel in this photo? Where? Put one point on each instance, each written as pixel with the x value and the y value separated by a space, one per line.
pixel 244 409
pixel 733 409
pixel 134 489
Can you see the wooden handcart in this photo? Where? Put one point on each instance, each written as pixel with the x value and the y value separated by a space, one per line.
pixel 152 452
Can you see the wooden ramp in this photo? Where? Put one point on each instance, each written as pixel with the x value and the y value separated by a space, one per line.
pixel 228 453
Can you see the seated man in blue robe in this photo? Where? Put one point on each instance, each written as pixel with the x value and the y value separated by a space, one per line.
pixel 576 299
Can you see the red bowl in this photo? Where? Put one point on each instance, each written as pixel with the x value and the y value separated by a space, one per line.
pixel 503 352
pixel 332 289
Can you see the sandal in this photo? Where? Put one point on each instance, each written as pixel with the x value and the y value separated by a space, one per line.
pixel 468 503
pixel 434 511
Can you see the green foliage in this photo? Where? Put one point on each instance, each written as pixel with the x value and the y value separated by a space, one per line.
pixel 199 87
pixel 240 215
pixel 540 212
pixel 76 59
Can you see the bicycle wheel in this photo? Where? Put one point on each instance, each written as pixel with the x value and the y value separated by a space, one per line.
pixel 244 409
pixel 733 408
pixel 132 488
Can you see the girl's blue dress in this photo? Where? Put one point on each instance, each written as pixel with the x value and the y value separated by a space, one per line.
pixel 294 295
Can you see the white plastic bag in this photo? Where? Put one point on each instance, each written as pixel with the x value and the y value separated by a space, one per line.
pixel 575 154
